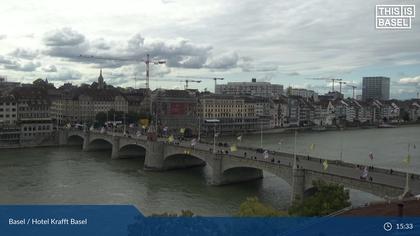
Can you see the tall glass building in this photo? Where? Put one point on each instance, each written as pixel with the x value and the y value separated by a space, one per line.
pixel 376 88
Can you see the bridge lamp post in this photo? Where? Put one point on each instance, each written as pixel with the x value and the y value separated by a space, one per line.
pixel 213 121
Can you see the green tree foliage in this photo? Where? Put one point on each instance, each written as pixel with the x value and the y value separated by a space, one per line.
pixel 101 118
pixel 327 199
pixel 184 213
pixel 252 207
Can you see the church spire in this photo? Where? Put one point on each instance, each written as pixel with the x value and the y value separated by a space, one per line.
pixel 101 83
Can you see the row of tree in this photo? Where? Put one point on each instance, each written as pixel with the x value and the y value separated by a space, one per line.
pixel 326 199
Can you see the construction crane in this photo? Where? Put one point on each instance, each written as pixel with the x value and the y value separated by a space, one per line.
pixel 327 79
pixel 200 77
pixel 353 87
pixel 186 81
pixel 152 130
pixel 341 83
pixel 147 62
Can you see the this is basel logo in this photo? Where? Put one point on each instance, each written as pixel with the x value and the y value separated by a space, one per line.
pixel 394 16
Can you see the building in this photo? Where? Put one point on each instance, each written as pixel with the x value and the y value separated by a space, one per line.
pixel 33 110
pixel 8 111
pixel 253 88
pixel 81 105
pixel 138 101
pixel 176 110
pixel 304 93
pixel 376 88
pixel 236 114
pixel 7 86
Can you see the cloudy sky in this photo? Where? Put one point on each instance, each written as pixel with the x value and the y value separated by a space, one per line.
pixel 285 42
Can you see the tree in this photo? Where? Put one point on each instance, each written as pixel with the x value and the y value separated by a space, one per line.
pixel 253 207
pixel 101 118
pixel 327 199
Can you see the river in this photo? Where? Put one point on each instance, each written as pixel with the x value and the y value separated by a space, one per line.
pixel 70 176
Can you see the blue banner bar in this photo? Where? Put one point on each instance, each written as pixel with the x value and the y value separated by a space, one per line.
pixel 125 220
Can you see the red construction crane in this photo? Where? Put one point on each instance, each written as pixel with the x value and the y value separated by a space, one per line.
pixel 152 130
pixel 147 61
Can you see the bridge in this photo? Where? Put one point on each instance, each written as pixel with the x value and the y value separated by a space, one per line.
pixel 247 164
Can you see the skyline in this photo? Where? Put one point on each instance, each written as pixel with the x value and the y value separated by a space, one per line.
pixel 282 43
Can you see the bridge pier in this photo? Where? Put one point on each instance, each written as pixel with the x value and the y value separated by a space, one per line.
pixel 154 158
pixel 298 184
pixel 62 137
pixel 115 147
pixel 86 141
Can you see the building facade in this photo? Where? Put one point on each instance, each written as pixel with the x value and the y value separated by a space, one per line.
pixel 376 88
pixel 253 88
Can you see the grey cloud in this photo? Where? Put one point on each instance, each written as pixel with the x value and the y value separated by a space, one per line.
pixel 180 53
pixel 224 61
pixel 3 36
pixel 22 66
pixel 66 75
pixel 18 65
pixel 24 53
pixel 63 37
pixel 4 60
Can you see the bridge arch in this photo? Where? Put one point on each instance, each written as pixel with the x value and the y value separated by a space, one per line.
pixel 99 144
pixel 132 150
pixel 183 160
pixel 75 139
pixel 251 167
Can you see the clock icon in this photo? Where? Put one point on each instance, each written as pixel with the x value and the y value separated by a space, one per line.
pixel 387 226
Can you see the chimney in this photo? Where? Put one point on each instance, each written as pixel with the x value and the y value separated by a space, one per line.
pixel 400 209
pixel 254 80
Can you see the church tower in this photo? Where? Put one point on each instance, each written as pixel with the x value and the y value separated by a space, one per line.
pixel 101 83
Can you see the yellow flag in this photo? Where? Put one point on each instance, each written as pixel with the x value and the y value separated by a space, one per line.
pixel 182 130
pixel 233 148
pixel 312 147
pixel 407 159
pixel 325 164
pixel 171 139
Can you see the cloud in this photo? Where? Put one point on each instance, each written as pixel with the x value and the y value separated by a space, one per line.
pixel 24 53
pixel 180 53
pixel 49 68
pixel 23 66
pixel 410 81
pixel 65 75
pixel 224 61
pixel 3 36
pixel 63 37
pixel 18 65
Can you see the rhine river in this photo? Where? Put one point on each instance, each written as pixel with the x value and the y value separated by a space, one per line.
pixel 70 176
